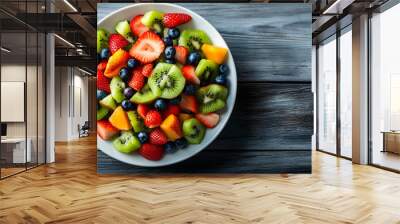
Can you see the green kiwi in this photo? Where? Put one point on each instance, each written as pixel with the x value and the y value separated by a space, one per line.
pixel 117 87
pixel 193 39
pixel 212 98
pixel 206 70
pixel 136 121
pixel 153 19
pixel 108 102
pixel 193 131
pixel 124 29
pixel 102 39
pixel 166 81
pixel 145 95
pixel 102 112
pixel 127 142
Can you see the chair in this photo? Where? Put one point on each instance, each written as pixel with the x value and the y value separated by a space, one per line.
pixel 84 129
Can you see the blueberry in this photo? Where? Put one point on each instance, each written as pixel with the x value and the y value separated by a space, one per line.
pixel 190 89
pixel 176 100
pixel 168 41
pixel 127 105
pixel 124 74
pixel 181 143
pixel 174 33
pixel 160 104
pixel 128 92
pixel 223 69
pixel 132 63
pixel 143 137
pixel 220 79
pixel 169 52
pixel 101 94
pixel 170 61
pixel 104 53
pixel 194 58
pixel 170 147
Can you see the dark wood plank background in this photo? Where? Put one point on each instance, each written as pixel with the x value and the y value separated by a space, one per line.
pixel 271 126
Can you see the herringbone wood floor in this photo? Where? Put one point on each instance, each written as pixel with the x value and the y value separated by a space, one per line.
pixel 70 191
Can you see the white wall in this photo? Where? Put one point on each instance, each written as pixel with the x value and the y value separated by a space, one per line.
pixel 69 82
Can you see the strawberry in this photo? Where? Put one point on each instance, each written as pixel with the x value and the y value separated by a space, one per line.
pixel 188 103
pixel 138 80
pixel 157 137
pixel 102 66
pixel 137 26
pixel 172 20
pixel 190 75
pixel 171 109
pixel 181 54
pixel 102 82
pixel 153 119
pixel 147 48
pixel 147 69
pixel 151 152
pixel 116 41
pixel 209 120
pixel 142 110
pixel 105 130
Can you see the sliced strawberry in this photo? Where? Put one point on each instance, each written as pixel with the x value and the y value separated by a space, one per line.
pixel 171 109
pixel 138 80
pixel 189 103
pixel 137 26
pixel 147 69
pixel 142 110
pixel 102 82
pixel 172 20
pixel 190 75
pixel 105 130
pixel 116 41
pixel 147 48
pixel 153 119
pixel 151 152
pixel 102 66
pixel 209 120
pixel 181 54
pixel 157 137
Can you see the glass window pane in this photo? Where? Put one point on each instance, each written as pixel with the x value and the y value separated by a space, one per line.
pixel 346 94
pixel 327 96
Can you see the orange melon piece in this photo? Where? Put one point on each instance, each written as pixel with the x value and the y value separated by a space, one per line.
pixel 172 127
pixel 119 119
pixel 117 61
pixel 214 53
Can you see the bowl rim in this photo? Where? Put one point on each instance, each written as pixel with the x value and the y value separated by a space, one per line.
pixel 232 87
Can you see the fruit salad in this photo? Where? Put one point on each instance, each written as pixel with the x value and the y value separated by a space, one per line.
pixel 159 86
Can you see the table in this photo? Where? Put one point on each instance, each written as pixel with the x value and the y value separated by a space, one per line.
pixel 272 122
pixel 18 149
pixel 391 141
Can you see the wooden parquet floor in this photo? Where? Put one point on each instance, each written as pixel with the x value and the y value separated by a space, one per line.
pixel 70 191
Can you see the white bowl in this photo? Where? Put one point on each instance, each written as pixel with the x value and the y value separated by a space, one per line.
pixel 197 22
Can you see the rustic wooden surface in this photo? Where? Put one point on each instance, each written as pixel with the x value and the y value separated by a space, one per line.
pixel 271 126
pixel 70 191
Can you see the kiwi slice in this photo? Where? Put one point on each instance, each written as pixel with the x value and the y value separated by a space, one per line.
pixel 102 113
pixel 108 102
pixel 193 131
pixel 117 87
pixel 145 95
pixel 102 39
pixel 153 19
pixel 136 121
pixel 206 70
pixel 166 81
pixel 212 98
pixel 124 29
pixel 127 142
pixel 193 39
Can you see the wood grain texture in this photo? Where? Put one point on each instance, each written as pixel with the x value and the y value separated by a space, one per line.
pixel 271 126
pixel 70 191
